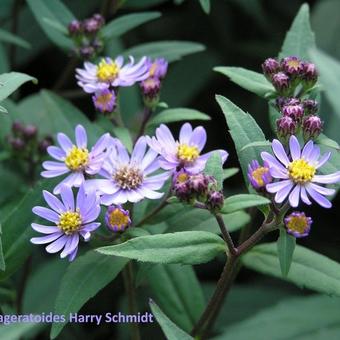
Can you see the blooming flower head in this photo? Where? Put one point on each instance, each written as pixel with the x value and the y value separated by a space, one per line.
pixel 259 176
pixel 116 218
pixel 75 159
pixel 104 101
pixel 184 153
pixel 129 178
pixel 71 219
pixel 292 65
pixel 157 68
pixel 111 73
pixel 297 173
pixel 298 224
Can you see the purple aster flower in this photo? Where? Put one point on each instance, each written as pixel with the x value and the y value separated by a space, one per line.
pixel 298 224
pixel 116 218
pixel 75 159
pixel 104 101
pixel 258 175
pixel 71 219
pixel 157 68
pixel 297 173
pixel 129 178
pixel 184 153
pixel 111 73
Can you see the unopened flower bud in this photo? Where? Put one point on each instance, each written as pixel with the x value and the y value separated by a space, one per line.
pixel 198 184
pixel 294 111
pixel 311 127
pixel 92 25
pixel 292 66
pixel 44 144
pixel 17 127
pixel 310 74
pixel 180 186
pixel 17 143
pixel 281 82
pixel 30 131
pixel 270 66
pixel 74 27
pixel 105 101
pixel 310 106
pixel 117 219
pixel 286 127
pixel 298 224
pixel 99 18
pixel 87 52
pixel 215 200
pixel 151 88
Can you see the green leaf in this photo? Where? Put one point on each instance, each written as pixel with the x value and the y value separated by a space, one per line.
pixel 213 167
pixel 84 278
pixel 171 331
pixel 16 331
pixel 308 269
pixel 329 70
pixel 333 163
pixel 178 293
pixel 205 4
pixel 56 25
pixel 9 82
pixel 229 172
pixel 300 38
pixel 247 79
pixel 324 140
pixel 257 145
pixel 2 259
pixel 244 130
pixel 170 50
pixel 187 247
pixel 177 114
pixel 285 250
pixel 125 23
pixel 243 201
pixel 9 37
pixel 290 319
pixel 124 135
pixel 54 11
pixel 16 227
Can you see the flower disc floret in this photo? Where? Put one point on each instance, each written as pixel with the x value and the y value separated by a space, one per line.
pixel 77 158
pixel 107 70
pixel 69 222
pixel 187 153
pixel 128 177
pixel 300 171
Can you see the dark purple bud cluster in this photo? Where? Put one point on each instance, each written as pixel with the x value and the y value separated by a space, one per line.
pixel 86 36
pixel 289 75
pixel 24 140
pixel 197 187
pixel 298 115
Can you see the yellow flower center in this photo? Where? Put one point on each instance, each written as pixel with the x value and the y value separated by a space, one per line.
pixel 300 171
pixel 186 153
pixel 107 71
pixel 118 219
pixel 297 224
pixel 153 69
pixel 294 63
pixel 181 178
pixel 128 177
pixel 69 222
pixel 77 158
pixel 258 174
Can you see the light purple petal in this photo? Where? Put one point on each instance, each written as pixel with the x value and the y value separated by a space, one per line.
pixel 44 229
pixel 272 162
pixel 50 165
pixel 90 227
pixel 307 150
pixel 150 193
pixel 282 194
pixel 280 152
pixel 304 196
pixel 323 159
pixel 138 151
pixel 81 137
pixel 198 138
pixel 327 179
pixel 57 245
pixel 318 198
pixel 91 214
pixel 294 146
pixel 276 186
pixel 46 213
pixel 67 197
pixel 322 190
pixel 46 239
pixel 53 173
pixel 73 255
pixel 53 202
pixel 71 244
pixel 185 133
pixel 294 196
pixel 56 153
pixel 64 142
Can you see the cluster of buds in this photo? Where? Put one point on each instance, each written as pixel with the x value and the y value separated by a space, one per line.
pixel 199 187
pixel 298 115
pixel 86 36
pixel 24 140
pixel 289 74
pixel 151 86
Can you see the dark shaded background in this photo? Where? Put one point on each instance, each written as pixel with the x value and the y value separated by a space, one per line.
pixel 236 33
